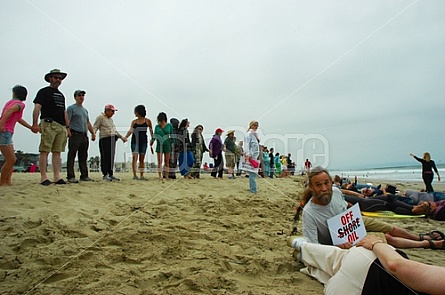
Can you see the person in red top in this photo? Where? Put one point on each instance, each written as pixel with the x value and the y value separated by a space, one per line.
pixel 307 165
pixel 11 114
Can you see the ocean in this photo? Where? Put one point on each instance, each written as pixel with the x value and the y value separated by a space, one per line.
pixel 400 173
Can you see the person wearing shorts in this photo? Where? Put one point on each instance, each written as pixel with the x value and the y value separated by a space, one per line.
pixel 11 114
pixel 139 140
pixel 50 105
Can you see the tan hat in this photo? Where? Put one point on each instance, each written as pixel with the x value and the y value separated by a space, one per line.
pixel 53 72
pixel 230 132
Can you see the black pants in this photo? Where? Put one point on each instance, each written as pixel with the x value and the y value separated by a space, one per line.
pixel 107 148
pixel 78 144
pixel 428 180
pixel 218 169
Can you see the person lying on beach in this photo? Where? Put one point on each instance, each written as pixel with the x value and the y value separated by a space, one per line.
pixel 414 197
pixel 415 206
pixel 322 201
pixel 387 203
pixel 373 267
pixel 363 192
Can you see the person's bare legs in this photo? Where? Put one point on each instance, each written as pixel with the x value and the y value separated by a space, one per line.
pixel 407 243
pixel 43 162
pixel 167 164
pixel 133 164
pixel 229 170
pixel 141 164
pixel 57 164
pixel 403 233
pixel 8 167
pixel 159 156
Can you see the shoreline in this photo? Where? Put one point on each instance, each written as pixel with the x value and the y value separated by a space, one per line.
pixel 173 237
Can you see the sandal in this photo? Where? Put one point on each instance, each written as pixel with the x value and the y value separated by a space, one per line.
pixel 60 181
pixel 433 247
pixel 46 182
pixel 433 236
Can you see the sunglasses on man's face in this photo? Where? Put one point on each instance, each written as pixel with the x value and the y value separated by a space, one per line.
pixel 58 77
pixel 110 110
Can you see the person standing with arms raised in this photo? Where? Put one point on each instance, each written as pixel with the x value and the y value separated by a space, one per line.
pixel 50 104
pixel 78 141
pixel 428 166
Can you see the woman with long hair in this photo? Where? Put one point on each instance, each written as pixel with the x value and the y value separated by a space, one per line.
pixel 139 140
pixel 252 151
pixel 162 136
pixel 428 166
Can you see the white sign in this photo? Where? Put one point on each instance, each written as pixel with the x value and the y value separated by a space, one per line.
pixel 347 226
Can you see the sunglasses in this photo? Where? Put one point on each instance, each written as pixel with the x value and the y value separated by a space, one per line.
pixel 111 110
pixel 81 95
pixel 58 77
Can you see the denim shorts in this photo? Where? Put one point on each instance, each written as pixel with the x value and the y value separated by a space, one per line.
pixel 5 138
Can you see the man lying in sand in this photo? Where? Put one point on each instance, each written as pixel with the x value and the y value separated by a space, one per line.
pixel 323 201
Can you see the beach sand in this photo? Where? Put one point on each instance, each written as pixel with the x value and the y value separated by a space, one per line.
pixel 177 237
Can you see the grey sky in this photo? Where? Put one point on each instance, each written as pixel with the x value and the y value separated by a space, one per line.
pixel 365 78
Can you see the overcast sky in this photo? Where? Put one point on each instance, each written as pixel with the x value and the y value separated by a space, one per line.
pixel 347 84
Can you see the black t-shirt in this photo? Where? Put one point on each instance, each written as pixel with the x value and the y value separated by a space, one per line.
pixel 271 161
pixel 53 104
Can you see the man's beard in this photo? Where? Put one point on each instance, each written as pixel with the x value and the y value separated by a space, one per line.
pixel 324 198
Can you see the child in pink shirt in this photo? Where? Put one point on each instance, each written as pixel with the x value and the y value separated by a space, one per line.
pixel 11 114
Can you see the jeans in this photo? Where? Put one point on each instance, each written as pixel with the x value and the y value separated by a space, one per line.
pixel 252 182
pixel 271 171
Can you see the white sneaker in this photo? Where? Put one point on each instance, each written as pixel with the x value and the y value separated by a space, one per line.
pixel 296 242
pixel 106 178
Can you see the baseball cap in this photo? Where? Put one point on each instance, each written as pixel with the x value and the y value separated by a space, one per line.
pixel 110 107
pixel 78 92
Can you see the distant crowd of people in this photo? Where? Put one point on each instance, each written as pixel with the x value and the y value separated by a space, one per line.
pixel 175 148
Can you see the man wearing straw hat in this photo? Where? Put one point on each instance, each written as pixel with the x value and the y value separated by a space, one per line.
pixel 50 104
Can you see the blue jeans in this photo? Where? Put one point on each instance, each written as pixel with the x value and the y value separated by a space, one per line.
pixel 252 182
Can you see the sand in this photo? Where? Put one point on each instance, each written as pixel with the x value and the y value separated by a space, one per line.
pixel 147 237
